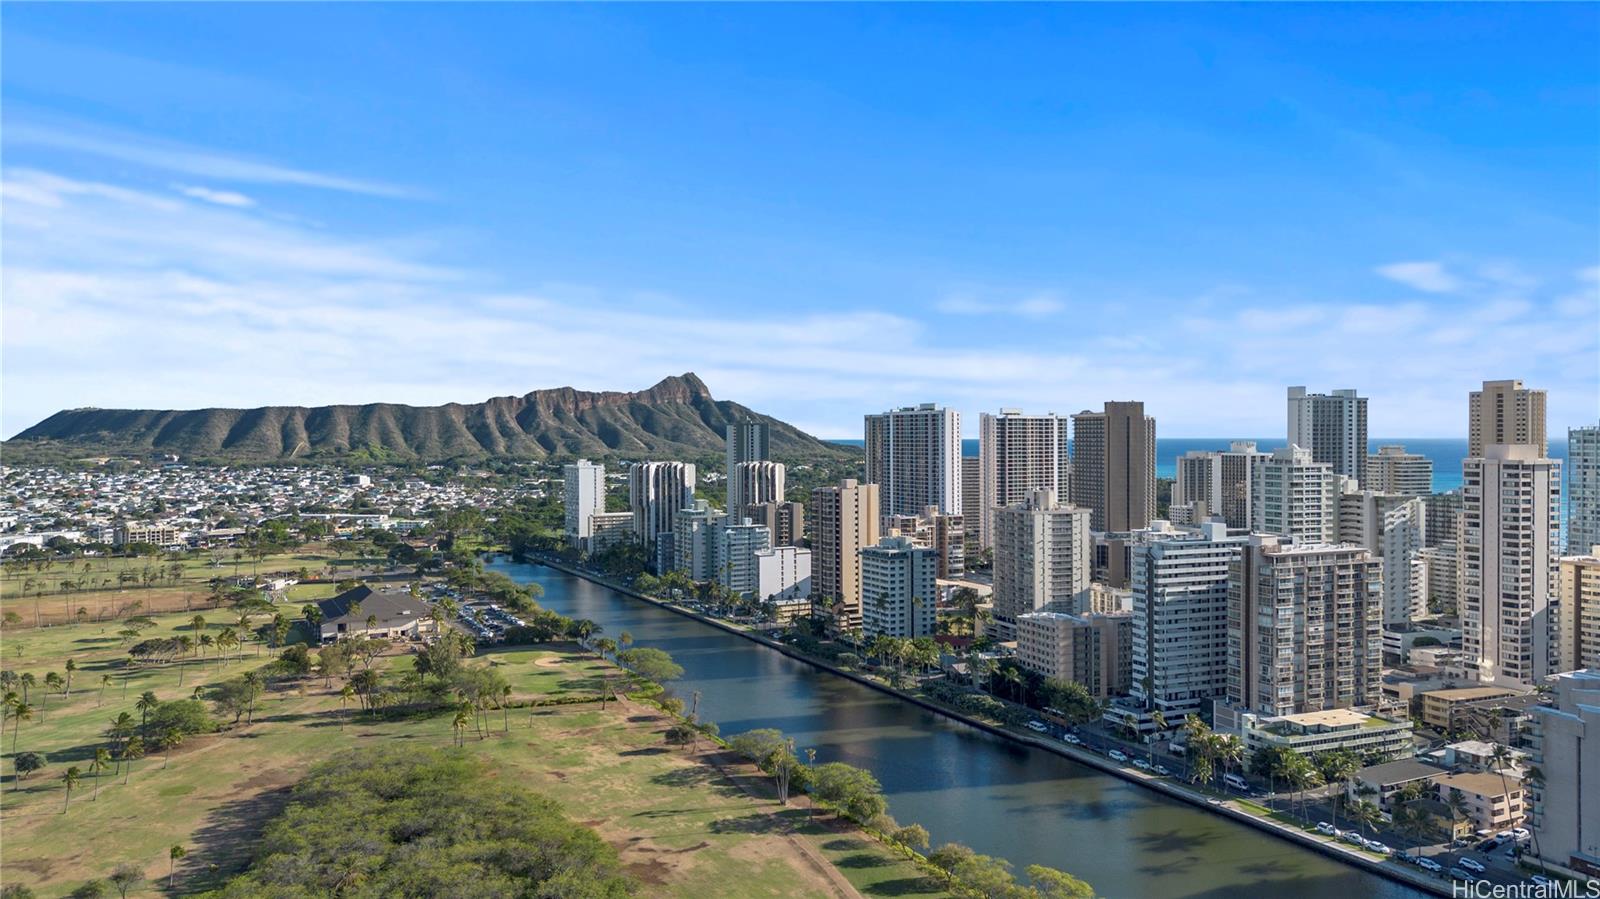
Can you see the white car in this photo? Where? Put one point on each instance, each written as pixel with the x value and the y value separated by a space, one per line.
pixel 1521 833
pixel 1380 848
pixel 1118 755
pixel 1351 836
pixel 1037 726
pixel 1327 828
pixel 1428 864
pixel 1141 764
pixel 1073 739
pixel 1471 864
pixel 1161 770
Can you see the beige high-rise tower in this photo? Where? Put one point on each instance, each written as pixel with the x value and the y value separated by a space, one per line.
pixel 1505 412
pixel 1018 454
pixel 1511 525
pixel 1114 466
pixel 844 521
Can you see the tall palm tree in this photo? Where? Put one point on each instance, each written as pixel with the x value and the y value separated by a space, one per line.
pixel 1337 768
pixel 146 704
pixel 1457 801
pixel 1160 721
pixel 166 741
pixel 345 695
pixel 20 712
pixel 105 681
pixel 173 854
pixel 133 749
pixel 1365 815
pixel 71 666
pixel 1230 752
pixel 70 778
pixel 459 723
pixel 97 767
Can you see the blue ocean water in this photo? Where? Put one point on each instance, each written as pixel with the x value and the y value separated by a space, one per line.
pixel 1446 452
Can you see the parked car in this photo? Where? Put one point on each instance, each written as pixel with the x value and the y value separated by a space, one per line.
pixel 1471 864
pixel 1521 833
pixel 1161 770
pixel 1459 874
pixel 1118 755
pixel 1327 828
pixel 1141 764
pixel 1428 864
pixel 1352 837
pixel 1074 739
pixel 1378 847
pixel 1037 726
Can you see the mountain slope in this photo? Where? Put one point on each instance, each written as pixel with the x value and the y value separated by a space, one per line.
pixel 676 418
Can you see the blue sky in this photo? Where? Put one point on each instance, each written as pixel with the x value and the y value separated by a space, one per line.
pixel 823 210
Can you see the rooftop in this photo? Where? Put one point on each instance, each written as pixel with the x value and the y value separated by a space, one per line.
pixel 1483 784
pixel 1465 694
pixel 1401 771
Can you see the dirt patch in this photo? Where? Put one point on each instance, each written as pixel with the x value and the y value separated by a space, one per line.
pixel 549 662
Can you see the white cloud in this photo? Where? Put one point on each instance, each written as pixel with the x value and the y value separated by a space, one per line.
pixel 122 298
pixel 1425 276
pixel 219 197
pixel 140 150
pixel 1041 305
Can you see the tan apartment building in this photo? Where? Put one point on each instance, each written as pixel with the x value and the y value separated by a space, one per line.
pixel 1041 558
pixel 1114 466
pixel 1505 412
pixel 1018 454
pixel 1493 803
pixel 1093 650
pixel 1442 709
pixel 845 521
pixel 1578 611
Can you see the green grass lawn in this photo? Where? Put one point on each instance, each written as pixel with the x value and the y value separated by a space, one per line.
pixel 683 827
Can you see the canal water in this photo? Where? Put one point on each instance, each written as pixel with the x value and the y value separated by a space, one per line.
pixel 965 785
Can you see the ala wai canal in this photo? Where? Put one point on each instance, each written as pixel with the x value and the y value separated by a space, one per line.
pixel 965 785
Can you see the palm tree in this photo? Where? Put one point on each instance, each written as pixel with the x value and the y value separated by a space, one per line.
pixel 105 681
pixel 173 854
pixel 1230 752
pixel 133 749
pixel 1337 768
pixel 121 729
pixel 97 767
pixel 70 778
pixel 1365 815
pixel 28 681
pixel 146 704
pixel 1160 721
pixel 197 623
pixel 71 666
pixel 20 712
pixel 166 741
pixel 345 695
pixel 459 723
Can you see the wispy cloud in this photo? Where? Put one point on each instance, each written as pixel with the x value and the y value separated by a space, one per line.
pixel 219 197
pixel 193 161
pixel 1039 305
pixel 1425 276
pixel 117 297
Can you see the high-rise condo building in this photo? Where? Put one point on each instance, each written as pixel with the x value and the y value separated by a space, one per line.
pixel 1511 498
pixel 737 545
pixel 656 492
pixel 584 494
pixel 1179 582
pixel 945 533
pixel 1042 558
pixel 914 456
pixel 1219 480
pixel 1583 489
pixel 748 441
pixel 1565 740
pixel 694 543
pixel 1305 628
pixel 844 520
pixel 1114 466
pixel 1393 470
pixel 971 499
pixel 1333 426
pixel 786 521
pixel 753 483
pixel 1093 650
pixel 1444 518
pixel 898 589
pixel 1505 412
pixel 1294 496
pixel 1390 526
pixel 1441 578
pixel 1018 454
pixel 783 574
pixel 1578 608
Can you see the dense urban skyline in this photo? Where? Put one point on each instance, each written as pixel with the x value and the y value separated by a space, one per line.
pixel 774 199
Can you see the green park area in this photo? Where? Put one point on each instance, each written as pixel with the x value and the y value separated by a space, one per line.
pixel 177 796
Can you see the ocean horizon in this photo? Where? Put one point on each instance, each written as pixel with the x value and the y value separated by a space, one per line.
pixel 1446 452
